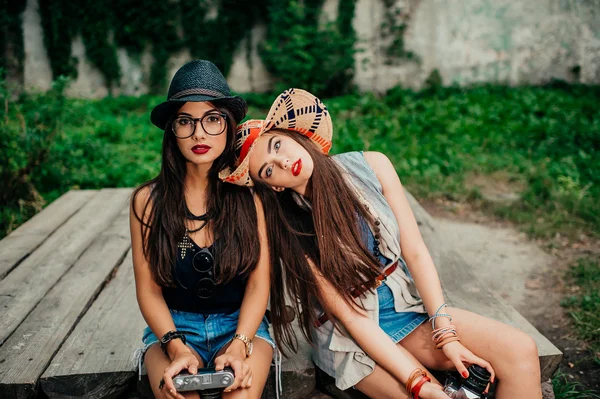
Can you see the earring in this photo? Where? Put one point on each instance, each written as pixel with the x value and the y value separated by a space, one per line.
pixel 278 189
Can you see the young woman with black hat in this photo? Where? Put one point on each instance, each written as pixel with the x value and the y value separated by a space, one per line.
pixel 199 246
pixel 352 255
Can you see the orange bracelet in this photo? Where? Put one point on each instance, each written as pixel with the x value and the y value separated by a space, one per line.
pixel 444 336
pixel 446 341
pixel 417 388
pixel 413 377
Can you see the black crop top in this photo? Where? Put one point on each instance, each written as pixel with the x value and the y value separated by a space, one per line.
pixel 195 290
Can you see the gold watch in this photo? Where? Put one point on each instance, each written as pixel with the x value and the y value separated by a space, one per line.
pixel 247 341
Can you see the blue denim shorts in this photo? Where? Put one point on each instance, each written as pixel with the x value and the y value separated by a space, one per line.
pixel 396 325
pixel 207 333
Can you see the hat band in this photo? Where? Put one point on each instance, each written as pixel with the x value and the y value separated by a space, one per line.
pixel 254 133
pixel 206 92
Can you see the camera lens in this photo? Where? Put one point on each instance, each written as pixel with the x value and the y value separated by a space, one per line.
pixel 478 379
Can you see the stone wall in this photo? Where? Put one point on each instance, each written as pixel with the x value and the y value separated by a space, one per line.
pixel 467 41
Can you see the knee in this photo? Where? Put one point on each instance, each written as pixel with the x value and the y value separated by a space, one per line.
pixel 523 352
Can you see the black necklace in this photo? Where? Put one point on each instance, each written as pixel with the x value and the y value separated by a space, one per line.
pixel 203 218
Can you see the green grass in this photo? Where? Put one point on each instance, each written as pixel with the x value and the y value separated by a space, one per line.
pixel 544 139
pixel 584 307
pixel 567 389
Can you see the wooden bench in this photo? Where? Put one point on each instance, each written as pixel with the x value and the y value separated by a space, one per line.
pixel 70 320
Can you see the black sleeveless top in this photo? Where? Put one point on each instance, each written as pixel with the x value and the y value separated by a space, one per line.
pixel 195 289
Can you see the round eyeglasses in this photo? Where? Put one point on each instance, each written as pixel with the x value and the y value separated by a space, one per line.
pixel 213 123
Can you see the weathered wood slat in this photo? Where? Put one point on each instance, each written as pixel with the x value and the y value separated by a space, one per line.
pixel 25 355
pixel 95 361
pixel 27 237
pixel 23 288
pixel 463 289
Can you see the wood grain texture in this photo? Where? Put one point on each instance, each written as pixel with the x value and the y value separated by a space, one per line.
pixel 28 351
pixel 96 360
pixel 24 287
pixel 27 237
pixel 463 289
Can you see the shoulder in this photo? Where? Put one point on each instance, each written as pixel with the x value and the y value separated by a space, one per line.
pixel 380 164
pixel 140 200
pixel 377 159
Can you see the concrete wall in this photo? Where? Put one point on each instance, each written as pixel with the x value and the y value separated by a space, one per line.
pixel 467 41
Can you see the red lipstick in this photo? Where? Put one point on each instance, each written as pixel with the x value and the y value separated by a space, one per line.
pixel 200 149
pixel 297 167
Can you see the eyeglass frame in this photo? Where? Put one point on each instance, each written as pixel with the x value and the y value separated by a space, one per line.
pixel 201 120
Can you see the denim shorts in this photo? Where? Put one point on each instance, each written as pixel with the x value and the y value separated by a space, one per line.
pixel 396 325
pixel 207 334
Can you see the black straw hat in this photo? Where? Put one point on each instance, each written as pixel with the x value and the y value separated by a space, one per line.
pixel 198 81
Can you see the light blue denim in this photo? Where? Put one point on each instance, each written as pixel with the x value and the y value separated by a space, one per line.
pixel 207 333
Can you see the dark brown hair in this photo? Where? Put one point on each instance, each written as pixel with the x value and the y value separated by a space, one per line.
pixel 329 235
pixel 234 222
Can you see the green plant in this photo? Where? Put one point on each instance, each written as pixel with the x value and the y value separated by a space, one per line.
pixel 301 52
pixel 584 307
pixel 299 49
pixel 395 23
pixel 12 50
pixel 28 129
pixel 566 389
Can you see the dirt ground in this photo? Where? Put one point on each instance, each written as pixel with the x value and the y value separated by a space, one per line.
pixel 529 274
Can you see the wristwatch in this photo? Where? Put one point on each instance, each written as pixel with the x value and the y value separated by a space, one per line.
pixel 247 341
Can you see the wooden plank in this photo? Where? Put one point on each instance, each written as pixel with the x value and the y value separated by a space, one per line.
pixel 463 289
pixel 25 286
pixel 95 362
pixel 26 354
pixel 27 237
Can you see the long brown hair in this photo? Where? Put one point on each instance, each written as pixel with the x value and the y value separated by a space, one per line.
pixel 234 222
pixel 329 235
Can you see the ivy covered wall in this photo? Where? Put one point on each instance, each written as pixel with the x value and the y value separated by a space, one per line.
pixel 208 29
pixel 326 46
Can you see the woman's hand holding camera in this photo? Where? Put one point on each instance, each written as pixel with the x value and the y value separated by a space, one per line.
pixel 459 355
pixel 235 358
pixel 183 360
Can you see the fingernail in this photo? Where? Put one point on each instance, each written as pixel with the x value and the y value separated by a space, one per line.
pixel 465 374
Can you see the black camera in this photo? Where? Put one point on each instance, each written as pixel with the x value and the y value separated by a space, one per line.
pixel 472 387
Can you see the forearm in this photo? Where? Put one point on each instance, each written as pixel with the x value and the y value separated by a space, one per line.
pixel 158 317
pixel 252 311
pixel 428 284
pixel 378 345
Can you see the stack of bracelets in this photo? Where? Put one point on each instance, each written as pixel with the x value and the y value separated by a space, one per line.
pixel 444 335
pixel 414 389
pixel 440 336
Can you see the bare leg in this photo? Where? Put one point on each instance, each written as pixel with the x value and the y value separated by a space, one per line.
pixel 512 353
pixel 260 364
pixel 382 385
pixel 156 362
